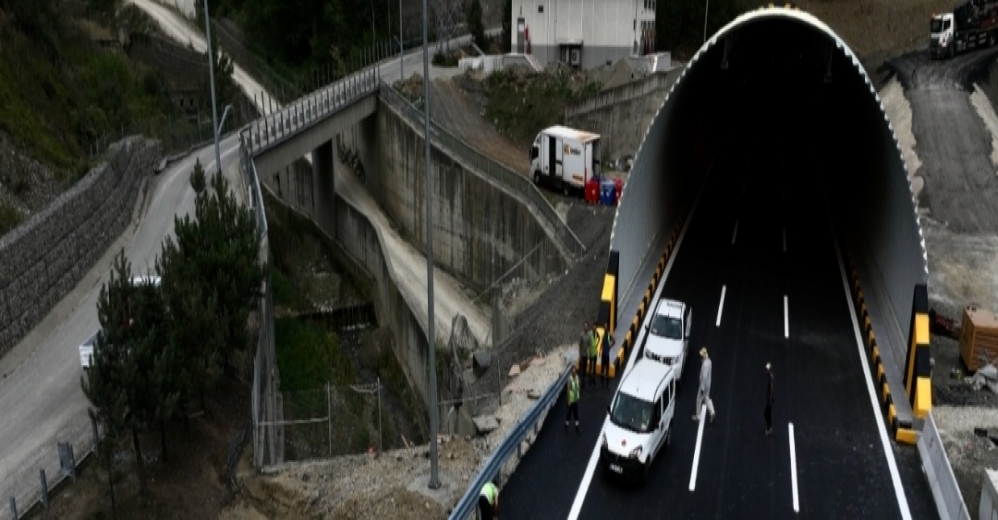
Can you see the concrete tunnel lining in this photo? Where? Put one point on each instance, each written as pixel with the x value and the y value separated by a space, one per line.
pixel 771 101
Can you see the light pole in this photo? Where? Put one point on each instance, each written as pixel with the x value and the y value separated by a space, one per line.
pixel 430 336
pixel 401 46
pixel 211 74
pixel 705 11
pixel 221 123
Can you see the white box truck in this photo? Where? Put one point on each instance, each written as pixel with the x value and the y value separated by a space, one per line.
pixel 565 158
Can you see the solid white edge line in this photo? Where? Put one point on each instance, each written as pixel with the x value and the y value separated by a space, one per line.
pixel 580 495
pixel 786 318
pixel 720 306
pixel 878 416
pixel 793 468
pixel 696 451
pixel 735 234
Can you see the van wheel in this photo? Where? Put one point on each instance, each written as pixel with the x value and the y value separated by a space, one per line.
pixel 668 435
pixel 566 189
pixel 537 178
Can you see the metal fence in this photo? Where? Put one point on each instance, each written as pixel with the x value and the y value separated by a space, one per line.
pixel 287 121
pixel 332 421
pixel 514 183
pixel 503 461
pixel 55 468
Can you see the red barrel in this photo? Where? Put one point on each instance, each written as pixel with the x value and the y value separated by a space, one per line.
pixel 620 188
pixel 592 191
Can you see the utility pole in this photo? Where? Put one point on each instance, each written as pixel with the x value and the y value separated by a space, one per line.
pixel 705 11
pixel 211 74
pixel 430 336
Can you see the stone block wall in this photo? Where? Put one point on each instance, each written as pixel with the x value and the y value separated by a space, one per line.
pixel 44 258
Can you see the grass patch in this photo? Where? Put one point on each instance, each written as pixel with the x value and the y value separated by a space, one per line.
pixel 285 293
pixel 520 104
pixel 9 218
pixel 308 357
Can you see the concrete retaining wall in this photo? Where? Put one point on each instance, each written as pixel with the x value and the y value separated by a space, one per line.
pixel 358 239
pixel 945 491
pixel 622 114
pixel 44 258
pixel 480 232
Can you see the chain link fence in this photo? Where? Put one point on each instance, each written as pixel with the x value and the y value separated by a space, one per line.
pixel 332 421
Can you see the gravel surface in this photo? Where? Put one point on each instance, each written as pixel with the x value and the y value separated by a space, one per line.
pixel 392 484
pixel 969 454
pixel 953 142
pixel 899 111
pixel 556 317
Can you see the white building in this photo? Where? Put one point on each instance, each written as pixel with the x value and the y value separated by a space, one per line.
pixel 584 33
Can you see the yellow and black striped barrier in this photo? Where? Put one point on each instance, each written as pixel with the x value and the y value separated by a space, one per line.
pixel 608 299
pixel 902 429
pixel 918 368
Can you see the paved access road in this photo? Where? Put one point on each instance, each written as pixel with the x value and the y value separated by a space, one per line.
pixel 41 401
pixel 764 238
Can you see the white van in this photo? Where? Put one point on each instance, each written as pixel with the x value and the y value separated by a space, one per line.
pixel 668 337
pixel 639 421
pixel 565 158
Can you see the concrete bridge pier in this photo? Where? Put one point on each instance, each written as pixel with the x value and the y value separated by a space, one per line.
pixel 323 187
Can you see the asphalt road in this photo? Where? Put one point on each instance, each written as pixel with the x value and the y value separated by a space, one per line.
pixel 952 141
pixel 842 467
pixel 41 401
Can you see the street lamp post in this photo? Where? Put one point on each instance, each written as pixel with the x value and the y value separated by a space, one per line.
pixel 705 11
pixel 401 46
pixel 211 74
pixel 430 336
pixel 225 113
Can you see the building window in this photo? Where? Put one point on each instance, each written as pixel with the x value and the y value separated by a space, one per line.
pixel 540 8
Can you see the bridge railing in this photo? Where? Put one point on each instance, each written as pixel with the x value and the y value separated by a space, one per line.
pixel 501 464
pixel 274 128
pixel 515 183
pixel 263 392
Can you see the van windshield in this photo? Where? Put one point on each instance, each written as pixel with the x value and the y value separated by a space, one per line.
pixel 668 327
pixel 631 413
pixel 935 26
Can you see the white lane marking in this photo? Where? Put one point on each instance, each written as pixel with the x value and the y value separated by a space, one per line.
pixel 580 495
pixel 735 234
pixel 786 318
pixel 784 240
pixel 696 451
pixel 793 469
pixel 720 306
pixel 879 417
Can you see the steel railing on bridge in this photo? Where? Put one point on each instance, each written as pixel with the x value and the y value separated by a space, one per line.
pixel 272 129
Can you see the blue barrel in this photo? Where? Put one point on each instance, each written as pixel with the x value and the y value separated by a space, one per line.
pixel 607 193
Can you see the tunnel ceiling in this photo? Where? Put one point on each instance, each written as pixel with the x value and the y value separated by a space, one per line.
pixel 779 84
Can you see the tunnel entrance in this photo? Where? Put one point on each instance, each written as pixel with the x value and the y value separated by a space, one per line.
pixel 768 164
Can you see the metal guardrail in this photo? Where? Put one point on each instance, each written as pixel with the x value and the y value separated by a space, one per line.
pixel 493 467
pixel 497 172
pixel 285 123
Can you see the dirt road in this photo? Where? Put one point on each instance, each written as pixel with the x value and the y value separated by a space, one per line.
pixel 952 140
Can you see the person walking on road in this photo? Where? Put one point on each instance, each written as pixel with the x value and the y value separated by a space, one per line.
pixel 606 346
pixel 584 343
pixel 488 502
pixel 593 351
pixel 703 395
pixel 573 400
pixel 770 397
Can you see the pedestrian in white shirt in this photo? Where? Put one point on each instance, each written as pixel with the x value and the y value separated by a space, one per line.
pixel 703 396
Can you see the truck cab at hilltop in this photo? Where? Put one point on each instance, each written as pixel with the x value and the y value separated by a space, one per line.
pixel 972 25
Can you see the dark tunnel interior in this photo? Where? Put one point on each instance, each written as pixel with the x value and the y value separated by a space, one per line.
pixel 777 100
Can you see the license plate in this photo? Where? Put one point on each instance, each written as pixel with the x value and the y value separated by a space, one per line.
pixel 616 468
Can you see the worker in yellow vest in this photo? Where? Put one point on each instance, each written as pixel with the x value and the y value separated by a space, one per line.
pixel 573 400
pixel 488 502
